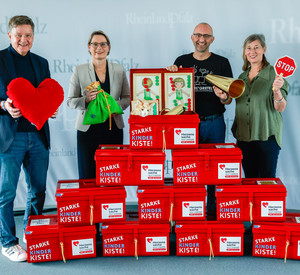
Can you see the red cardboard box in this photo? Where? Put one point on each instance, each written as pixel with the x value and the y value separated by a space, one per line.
pixel 48 242
pixel 164 131
pixel 119 166
pixel 209 238
pixel 134 239
pixel 253 200
pixel 171 204
pixel 278 240
pixel 209 164
pixel 82 202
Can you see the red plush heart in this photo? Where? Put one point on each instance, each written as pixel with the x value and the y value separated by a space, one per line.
pixel 36 104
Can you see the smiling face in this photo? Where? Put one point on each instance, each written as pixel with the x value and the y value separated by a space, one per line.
pixel 21 38
pixel 203 41
pixel 97 51
pixel 254 52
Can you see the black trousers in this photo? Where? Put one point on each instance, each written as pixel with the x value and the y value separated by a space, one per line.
pixel 89 141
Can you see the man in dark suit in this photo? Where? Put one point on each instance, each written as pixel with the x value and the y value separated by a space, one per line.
pixel 20 142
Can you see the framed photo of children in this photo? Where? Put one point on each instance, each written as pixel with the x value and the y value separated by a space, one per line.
pixel 147 86
pixel 179 90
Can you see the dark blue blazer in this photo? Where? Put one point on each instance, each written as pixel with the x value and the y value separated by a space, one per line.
pixel 9 125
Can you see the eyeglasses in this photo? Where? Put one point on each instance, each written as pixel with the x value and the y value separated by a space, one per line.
pixel 205 36
pixel 102 45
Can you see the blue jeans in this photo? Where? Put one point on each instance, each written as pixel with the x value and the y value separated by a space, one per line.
pixel 260 158
pixel 212 131
pixel 27 149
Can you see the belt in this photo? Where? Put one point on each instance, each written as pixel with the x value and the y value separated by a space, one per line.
pixel 212 117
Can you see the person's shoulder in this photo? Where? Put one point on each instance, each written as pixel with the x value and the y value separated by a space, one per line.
pixel 218 57
pixel 185 56
pixel 116 66
pixel 4 52
pixel 38 57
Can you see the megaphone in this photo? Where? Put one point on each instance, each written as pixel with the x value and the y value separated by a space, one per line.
pixel 233 87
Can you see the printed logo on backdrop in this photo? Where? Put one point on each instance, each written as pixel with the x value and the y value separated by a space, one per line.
pixel 169 18
pixel 63 152
pixel 64 66
pixel 284 31
pixel 40 27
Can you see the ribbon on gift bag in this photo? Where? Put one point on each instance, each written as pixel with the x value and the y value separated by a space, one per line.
pixel 101 109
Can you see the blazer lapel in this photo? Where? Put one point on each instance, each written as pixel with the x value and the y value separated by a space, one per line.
pixel 36 69
pixel 9 63
pixel 92 72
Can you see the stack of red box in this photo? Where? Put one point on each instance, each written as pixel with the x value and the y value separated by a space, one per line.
pixel 278 239
pixel 71 234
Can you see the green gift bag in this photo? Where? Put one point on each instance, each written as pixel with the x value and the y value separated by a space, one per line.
pixel 101 108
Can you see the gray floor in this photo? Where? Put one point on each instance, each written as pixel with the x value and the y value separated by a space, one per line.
pixel 154 265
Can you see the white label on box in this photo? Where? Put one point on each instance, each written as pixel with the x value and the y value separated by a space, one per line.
pixel 230 244
pixel 298 251
pixel 112 210
pixel 192 209
pixel 229 171
pixel 70 185
pixel 297 219
pixel 151 171
pixel 82 247
pixel 156 244
pixel 40 222
pixel 224 146
pixel 271 208
pixel 266 182
pixel 184 136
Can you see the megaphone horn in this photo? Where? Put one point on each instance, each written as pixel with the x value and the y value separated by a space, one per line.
pixel 234 87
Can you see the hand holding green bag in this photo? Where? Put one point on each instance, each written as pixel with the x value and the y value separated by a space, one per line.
pixel 101 108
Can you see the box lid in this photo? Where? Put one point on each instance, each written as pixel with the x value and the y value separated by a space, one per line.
pixel 47 224
pixel 261 186
pixel 134 226
pixel 167 191
pixel 185 118
pixel 214 226
pixel 210 150
pixel 118 151
pixel 87 187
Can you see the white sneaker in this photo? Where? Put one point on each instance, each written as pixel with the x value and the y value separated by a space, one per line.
pixel 15 253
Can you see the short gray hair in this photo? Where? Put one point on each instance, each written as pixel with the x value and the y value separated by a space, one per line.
pixel 19 20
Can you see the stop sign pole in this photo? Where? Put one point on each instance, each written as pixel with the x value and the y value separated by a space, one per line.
pixel 285 66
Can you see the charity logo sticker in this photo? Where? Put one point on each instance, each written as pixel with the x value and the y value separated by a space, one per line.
pixel 151 172
pixel 230 244
pixel 82 247
pixel 112 211
pixel 156 244
pixel 184 136
pixel 229 171
pixel 272 208
pixel 193 209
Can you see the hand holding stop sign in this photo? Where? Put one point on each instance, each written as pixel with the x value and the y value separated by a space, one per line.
pixel 284 67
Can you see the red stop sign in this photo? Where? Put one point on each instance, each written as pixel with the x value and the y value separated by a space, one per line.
pixel 285 66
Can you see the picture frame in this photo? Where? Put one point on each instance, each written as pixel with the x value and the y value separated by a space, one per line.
pixel 147 86
pixel 179 90
pixel 158 84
